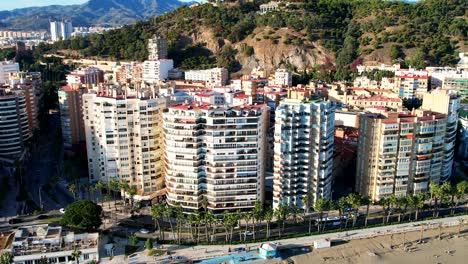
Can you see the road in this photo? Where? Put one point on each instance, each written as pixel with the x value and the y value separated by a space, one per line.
pixel 43 166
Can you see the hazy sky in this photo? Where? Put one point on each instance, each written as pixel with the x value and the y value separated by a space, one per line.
pixel 12 4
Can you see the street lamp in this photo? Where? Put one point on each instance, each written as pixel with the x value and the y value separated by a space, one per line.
pixel 40 197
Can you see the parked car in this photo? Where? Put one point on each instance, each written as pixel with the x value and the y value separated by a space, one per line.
pixel 249 233
pixel 40 217
pixel 144 231
pixel 15 221
pixel 62 210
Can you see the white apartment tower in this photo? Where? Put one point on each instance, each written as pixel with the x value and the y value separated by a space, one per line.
pixel 7 67
pixel 446 102
pixel 157 48
pixel 60 30
pixel 303 151
pixel 215 154
pixel 124 139
pixel 157 70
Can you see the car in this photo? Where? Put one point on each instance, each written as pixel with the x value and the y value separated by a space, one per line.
pixel 249 233
pixel 62 210
pixel 144 231
pixel 40 217
pixel 15 221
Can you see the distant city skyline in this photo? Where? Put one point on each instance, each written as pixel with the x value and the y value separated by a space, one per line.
pixel 10 5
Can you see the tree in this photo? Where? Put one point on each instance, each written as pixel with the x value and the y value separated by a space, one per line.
pixel 268 216
pixel 72 188
pixel 99 186
pixel 367 202
pixel 281 214
pixel 6 258
pixel 76 254
pixel 179 220
pixel 83 214
pixel 257 215
pixel 157 212
pixel 395 52
pixel 123 186
pixel 320 206
pixel 132 192
pixel 247 216
pixel 44 260
pixel 439 193
pixel 133 240
pixel 355 200
pixel 148 244
pixel 342 205
pixel 113 185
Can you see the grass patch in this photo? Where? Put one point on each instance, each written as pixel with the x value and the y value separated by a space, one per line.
pixel 51 220
pixel 156 252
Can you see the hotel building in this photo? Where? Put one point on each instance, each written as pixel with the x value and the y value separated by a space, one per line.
pixel 216 154
pixel 303 150
pixel 399 153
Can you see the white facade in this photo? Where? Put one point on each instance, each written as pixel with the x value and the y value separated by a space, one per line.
pixel 157 70
pixel 60 30
pixel 7 67
pixel 283 77
pixel 411 83
pixel 446 102
pixel 217 154
pixel 123 140
pixel 212 77
pixel 303 151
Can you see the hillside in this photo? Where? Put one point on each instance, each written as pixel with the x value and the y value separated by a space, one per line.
pixel 327 35
pixel 93 12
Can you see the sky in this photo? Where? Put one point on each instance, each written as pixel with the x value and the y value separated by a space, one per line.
pixel 12 4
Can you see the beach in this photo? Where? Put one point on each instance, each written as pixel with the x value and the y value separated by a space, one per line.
pixel 451 248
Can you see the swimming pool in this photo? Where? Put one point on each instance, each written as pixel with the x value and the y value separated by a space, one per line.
pixel 237 258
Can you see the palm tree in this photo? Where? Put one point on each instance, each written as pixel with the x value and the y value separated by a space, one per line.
pixel 204 204
pixel 247 216
pixel 257 215
pixel 419 203
pixel 76 255
pixel 123 186
pixel 6 258
pixel 268 216
pixel 342 205
pixel 99 186
pixel 402 204
pixel 438 193
pixel 281 214
pixel 168 212
pixel 226 224
pixel 132 192
pixel 306 203
pixel 72 188
pixel 113 185
pixel 108 198
pixel 355 200
pixel 367 202
pixel 179 220
pixel 295 210
pixel 191 223
pixel 43 260
pixel 320 206
pixel 208 220
pixel 393 201
pixel 460 192
pixel 157 212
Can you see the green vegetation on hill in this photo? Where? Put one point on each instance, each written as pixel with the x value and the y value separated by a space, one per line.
pixel 426 33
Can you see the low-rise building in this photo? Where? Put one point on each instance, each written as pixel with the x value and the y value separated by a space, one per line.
pixel 211 77
pixel 7 67
pixel 30 244
pixel 157 70
pixel 86 76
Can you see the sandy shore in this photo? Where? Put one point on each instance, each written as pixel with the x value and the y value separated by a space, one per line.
pixel 387 249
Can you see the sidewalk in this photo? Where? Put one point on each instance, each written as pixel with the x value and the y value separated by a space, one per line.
pixel 205 252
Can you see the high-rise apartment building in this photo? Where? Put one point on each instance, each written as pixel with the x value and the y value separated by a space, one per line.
pixel 124 139
pixel 303 150
pixel 445 102
pixel 14 128
pixel 411 83
pixel 216 154
pixel 60 30
pixel 7 67
pixel 157 70
pixel 71 115
pixel 463 135
pixel 399 153
pixel 157 48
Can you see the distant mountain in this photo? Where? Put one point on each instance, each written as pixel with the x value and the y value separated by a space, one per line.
pixel 93 12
